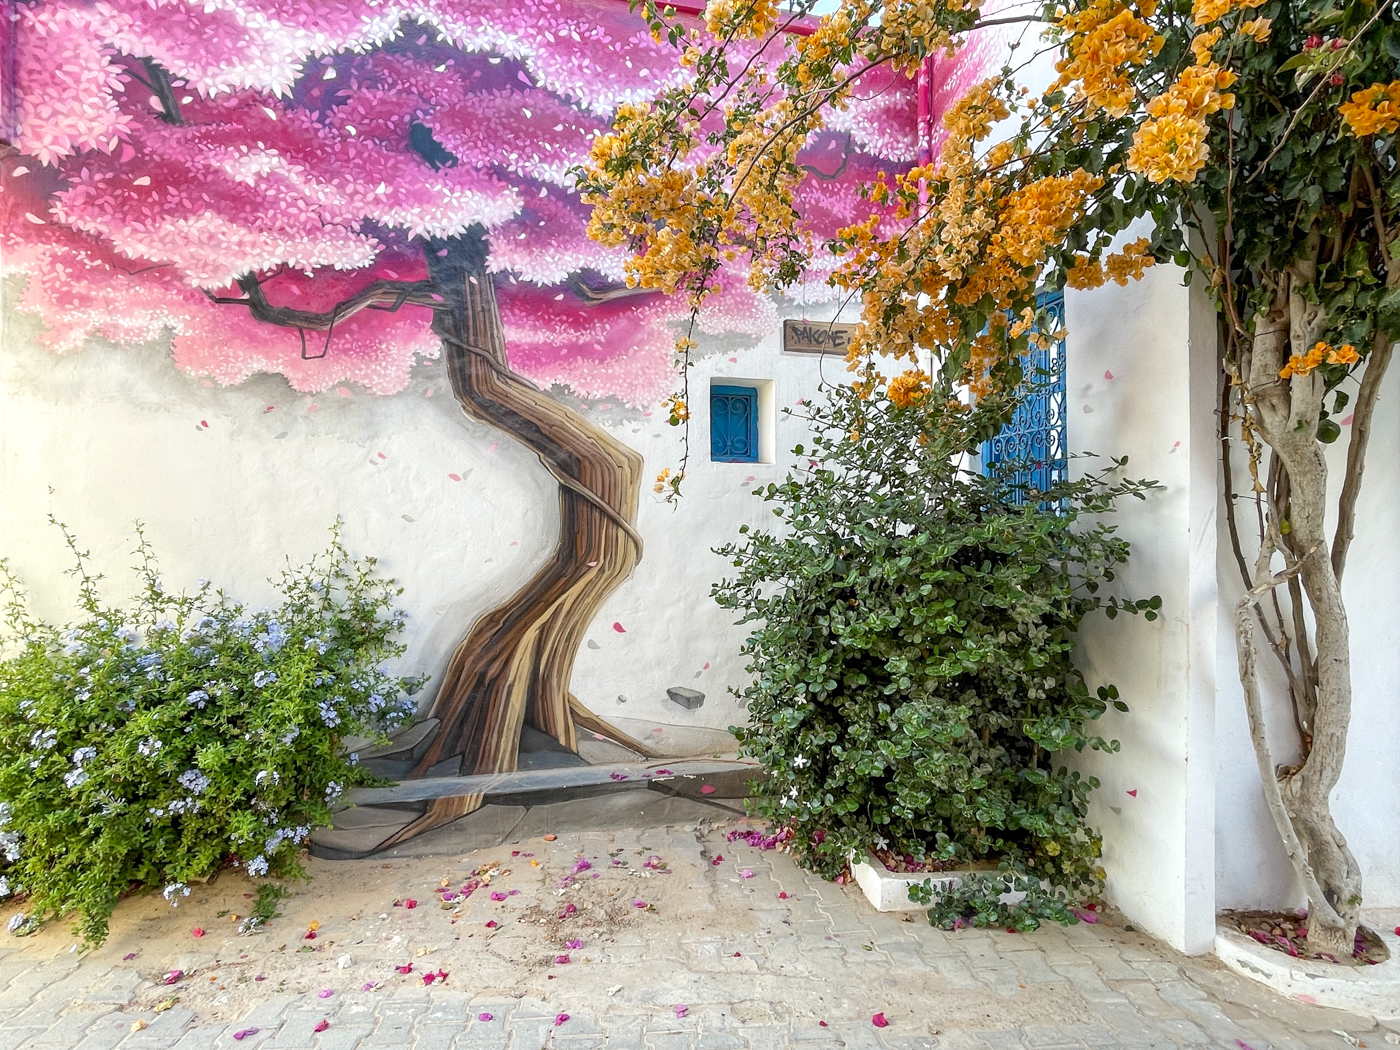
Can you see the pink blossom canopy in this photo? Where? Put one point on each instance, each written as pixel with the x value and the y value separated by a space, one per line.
pixel 167 148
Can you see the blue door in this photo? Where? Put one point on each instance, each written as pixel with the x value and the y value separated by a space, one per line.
pixel 1035 438
pixel 733 424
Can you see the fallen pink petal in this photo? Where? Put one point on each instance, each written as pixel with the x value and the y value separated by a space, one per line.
pixel 574 944
pixel 879 1021
pixel 485 1017
pixel 561 959
pixel 196 932
pixel 370 986
pixel 128 956
pixel 560 1019
pixel 321 1025
pixel 682 1009
pixel 325 993
pixel 244 1033
pixel 497 895
pixel 406 968
pixel 172 976
pixel 746 874
pixel 492 924
pixel 639 904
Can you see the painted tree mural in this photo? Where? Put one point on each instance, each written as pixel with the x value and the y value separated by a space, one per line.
pixel 334 191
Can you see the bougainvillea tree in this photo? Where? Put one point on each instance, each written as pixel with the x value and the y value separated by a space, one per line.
pixel 336 191
pixel 1251 141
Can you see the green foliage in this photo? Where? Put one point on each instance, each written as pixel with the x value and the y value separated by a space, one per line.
pixel 264 908
pixel 149 746
pixel 977 901
pixel 911 652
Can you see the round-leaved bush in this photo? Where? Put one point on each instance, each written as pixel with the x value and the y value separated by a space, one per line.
pixel 149 746
pixel 913 691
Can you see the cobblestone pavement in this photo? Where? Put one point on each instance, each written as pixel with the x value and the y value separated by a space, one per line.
pixel 740 951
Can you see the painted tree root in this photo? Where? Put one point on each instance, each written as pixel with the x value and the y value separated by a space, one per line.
pixel 515 663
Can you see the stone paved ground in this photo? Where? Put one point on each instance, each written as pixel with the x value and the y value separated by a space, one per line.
pixel 769 959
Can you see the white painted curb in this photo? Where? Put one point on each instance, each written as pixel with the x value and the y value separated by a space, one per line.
pixel 1369 990
pixel 889 890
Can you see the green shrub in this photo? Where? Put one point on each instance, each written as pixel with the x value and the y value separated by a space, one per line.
pixel 149 746
pixel 911 655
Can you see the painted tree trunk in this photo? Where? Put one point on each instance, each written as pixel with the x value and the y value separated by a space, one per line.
pixel 515 663
pixel 1285 412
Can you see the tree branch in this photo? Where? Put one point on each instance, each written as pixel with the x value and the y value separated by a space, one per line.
pixel 1376 364
pixel 395 293
pixel 1244 642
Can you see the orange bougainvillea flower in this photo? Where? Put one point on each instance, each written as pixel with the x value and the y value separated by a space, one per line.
pixel 1373 110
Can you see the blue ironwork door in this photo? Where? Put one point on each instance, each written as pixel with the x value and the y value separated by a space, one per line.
pixel 1035 438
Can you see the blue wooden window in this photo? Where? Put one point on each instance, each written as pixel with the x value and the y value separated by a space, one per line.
pixel 733 424
pixel 1035 437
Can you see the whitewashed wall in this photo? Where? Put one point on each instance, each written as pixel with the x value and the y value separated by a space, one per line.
pixel 230 481
pixel 1140 382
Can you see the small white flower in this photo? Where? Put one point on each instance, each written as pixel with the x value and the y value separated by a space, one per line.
pixel 44 739
pixel 174 892
pixel 799 761
pixel 257 866
pixel 150 747
pixel 16 921
pixel 75 778
pixel 267 775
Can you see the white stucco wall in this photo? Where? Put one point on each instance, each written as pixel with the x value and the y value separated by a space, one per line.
pixel 230 481
pixel 1140 382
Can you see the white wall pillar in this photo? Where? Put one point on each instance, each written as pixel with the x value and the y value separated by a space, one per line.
pixel 1142 381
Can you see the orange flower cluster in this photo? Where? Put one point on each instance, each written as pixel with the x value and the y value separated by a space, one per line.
pixel 1205 12
pixel 1120 267
pixel 1104 42
pixel 1171 143
pixel 984 239
pixel 1373 110
pixel 754 19
pixel 1302 364
pixel 908 388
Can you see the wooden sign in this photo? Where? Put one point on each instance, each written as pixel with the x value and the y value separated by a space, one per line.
pixel 817 337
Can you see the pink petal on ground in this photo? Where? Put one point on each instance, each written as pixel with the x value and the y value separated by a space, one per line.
pixel 172 976
pixel 682 1009
pixel 782 895
pixel 707 789
pixel 410 903
pixel 639 904
pixel 560 1019
pixel 493 446
pixel 1243 1045
pixel 370 986
pixel 619 628
pixel 574 944
pixel 1133 792
pixel 485 1017
pixel 405 968
pixel 562 960
pixel 1304 997
pixel 719 859
pixel 321 1025
pixel 128 956
pixel 1108 375
pixel 497 895
pixel 879 1021
pixel 245 1033
pixel 204 423
pixel 822 1023
pixel 455 477
pixel 492 924
pixel 325 993
pixel 259 977
pixel 706 667
pixel 746 874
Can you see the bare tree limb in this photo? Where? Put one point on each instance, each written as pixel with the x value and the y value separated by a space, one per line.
pixel 374 295
pixel 1376 365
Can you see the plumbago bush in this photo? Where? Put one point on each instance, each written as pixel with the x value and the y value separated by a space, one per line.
pixel 150 746
pixel 911 657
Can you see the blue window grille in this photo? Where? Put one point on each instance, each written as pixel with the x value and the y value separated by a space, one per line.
pixel 1035 437
pixel 733 424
